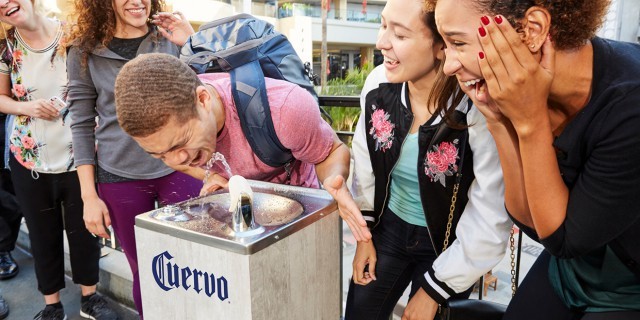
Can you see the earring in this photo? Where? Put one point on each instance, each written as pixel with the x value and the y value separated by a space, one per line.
pixel 533 46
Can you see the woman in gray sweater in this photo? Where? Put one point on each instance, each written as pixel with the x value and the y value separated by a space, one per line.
pixel 129 181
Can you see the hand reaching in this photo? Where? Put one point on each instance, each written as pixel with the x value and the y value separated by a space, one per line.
pixel 173 26
pixel 347 207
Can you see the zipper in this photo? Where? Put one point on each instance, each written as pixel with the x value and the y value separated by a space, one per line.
pixel 386 192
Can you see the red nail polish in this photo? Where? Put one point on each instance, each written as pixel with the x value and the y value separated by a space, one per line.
pixel 485 20
pixel 482 31
pixel 481 55
pixel 498 19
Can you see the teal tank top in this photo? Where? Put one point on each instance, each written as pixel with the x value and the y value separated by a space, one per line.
pixel 595 282
pixel 404 197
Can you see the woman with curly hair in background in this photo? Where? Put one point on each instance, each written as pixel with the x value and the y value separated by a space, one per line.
pixel 129 181
pixel 563 106
pixel 33 81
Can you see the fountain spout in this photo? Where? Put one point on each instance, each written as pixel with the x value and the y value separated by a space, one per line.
pixel 243 214
pixel 241 204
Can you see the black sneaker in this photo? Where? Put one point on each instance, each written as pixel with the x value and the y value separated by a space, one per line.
pixel 51 313
pixel 4 308
pixel 96 308
pixel 8 266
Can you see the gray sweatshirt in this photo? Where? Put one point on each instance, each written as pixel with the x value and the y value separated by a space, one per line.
pixel 91 95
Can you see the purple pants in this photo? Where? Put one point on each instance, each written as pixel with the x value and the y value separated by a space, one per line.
pixel 125 200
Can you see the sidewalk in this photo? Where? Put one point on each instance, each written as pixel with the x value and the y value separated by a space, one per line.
pixel 25 301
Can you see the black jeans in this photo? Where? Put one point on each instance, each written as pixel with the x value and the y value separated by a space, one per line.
pixel 404 252
pixel 10 214
pixel 536 299
pixel 42 201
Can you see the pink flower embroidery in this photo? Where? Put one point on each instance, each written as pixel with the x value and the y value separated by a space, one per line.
pixel 19 90
pixel 441 162
pixel 27 142
pixel 17 56
pixel 381 129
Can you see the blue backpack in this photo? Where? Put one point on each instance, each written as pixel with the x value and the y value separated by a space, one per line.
pixel 249 49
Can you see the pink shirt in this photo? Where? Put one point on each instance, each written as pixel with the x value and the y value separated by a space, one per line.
pixel 297 122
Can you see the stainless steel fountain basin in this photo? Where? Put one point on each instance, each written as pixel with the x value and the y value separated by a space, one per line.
pixel 280 210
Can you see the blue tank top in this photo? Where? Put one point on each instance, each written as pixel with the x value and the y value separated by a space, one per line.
pixel 404 197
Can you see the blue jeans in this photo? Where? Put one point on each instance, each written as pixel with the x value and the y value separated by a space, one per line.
pixel 404 252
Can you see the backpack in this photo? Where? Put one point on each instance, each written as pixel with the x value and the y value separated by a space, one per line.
pixel 249 49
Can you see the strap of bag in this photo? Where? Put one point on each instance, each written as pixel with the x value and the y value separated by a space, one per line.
pixel 452 208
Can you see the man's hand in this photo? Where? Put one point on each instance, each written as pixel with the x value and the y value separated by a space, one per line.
pixel 421 306
pixel 347 207
pixel 214 183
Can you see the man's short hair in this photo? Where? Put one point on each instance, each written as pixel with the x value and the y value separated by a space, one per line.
pixel 151 90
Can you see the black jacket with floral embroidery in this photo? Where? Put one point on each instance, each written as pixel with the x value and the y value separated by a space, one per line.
pixel 440 148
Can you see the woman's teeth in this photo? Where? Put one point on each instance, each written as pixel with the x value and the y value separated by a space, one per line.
pixel 139 10
pixel 390 61
pixel 472 82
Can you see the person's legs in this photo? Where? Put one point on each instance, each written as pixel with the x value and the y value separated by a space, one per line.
pixel 84 250
pixel 535 298
pixel 125 200
pixel 10 218
pixel 177 187
pixel 44 220
pixel 396 243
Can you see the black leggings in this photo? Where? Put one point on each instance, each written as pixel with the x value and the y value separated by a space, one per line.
pixel 51 204
pixel 536 299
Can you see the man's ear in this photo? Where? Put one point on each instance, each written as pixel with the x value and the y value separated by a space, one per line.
pixel 203 97
pixel 536 24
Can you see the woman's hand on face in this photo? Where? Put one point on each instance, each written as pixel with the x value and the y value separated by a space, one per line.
pixel 364 263
pixel 213 183
pixel 40 108
pixel 173 26
pixel 347 207
pixel 517 84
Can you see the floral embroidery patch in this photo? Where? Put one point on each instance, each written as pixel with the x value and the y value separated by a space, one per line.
pixel 441 161
pixel 381 129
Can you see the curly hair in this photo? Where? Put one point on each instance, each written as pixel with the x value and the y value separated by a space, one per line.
pixel 573 21
pixel 151 90
pixel 96 23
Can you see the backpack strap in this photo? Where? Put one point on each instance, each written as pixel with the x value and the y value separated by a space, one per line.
pixel 247 85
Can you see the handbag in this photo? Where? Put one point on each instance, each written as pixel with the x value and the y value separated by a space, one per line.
pixel 472 309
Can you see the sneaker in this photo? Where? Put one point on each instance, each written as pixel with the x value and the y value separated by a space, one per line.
pixel 51 313
pixel 8 266
pixel 96 308
pixel 4 308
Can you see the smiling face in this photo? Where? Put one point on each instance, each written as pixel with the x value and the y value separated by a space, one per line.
pixel 16 12
pixel 458 23
pixel 406 42
pixel 131 17
pixel 189 144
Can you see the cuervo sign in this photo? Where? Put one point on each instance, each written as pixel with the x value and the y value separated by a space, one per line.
pixel 169 276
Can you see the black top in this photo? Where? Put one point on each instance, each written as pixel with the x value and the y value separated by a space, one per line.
pixel 599 158
pixel 126 48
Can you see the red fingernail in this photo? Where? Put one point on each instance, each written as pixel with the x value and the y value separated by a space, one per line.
pixel 482 31
pixel 485 20
pixel 498 19
pixel 481 55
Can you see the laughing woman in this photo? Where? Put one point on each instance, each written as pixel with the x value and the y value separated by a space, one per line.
pixel 129 181
pixel 563 106
pixel 408 166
